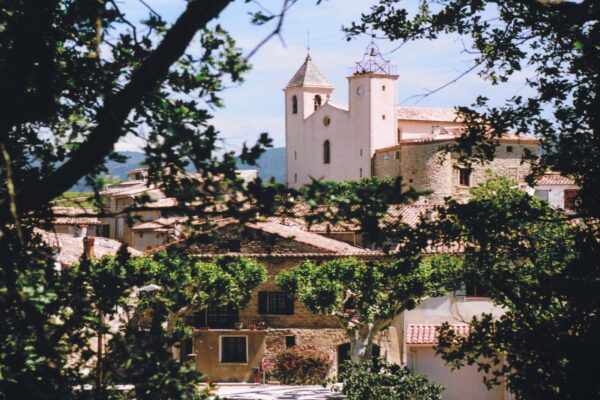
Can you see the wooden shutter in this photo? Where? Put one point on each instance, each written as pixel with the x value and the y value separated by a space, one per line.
pixel 263 298
pixel 289 305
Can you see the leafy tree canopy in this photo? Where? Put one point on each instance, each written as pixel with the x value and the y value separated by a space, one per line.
pixel 540 268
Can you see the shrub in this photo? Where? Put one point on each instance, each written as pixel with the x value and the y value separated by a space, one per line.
pixel 300 365
pixel 380 380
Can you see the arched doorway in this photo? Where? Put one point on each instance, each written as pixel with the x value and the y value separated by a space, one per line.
pixel 343 353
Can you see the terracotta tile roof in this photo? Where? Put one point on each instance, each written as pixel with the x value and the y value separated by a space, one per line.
pixel 309 238
pixel 75 216
pixel 71 247
pixel 308 75
pixel 409 213
pixel 427 114
pixel 428 333
pixel 554 179
pixel 167 202
pixel 159 225
pixel 76 221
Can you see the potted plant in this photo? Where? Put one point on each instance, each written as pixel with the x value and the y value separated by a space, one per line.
pixel 239 325
pixel 262 325
pixel 252 327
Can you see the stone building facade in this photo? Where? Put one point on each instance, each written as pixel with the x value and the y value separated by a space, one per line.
pixel 372 136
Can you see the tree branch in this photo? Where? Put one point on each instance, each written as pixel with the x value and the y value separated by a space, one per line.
pixel 117 107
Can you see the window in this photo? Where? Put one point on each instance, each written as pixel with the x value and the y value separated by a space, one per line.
pixel 326 120
pixel 105 230
pixel 295 178
pixel 541 194
pixel 397 155
pixel 464 177
pixel 234 245
pixel 216 317
pixel 361 152
pixel 275 303
pixel 383 116
pixel 476 291
pixel 295 156
pixel 509 149
pixel 141 234
pixel 290 341
pixel 383 88
pixel 399 134
pixel 570 197
pixel 294 105
pixel 326 152
pixel 386 156
pixel 360 172
pixel 318 101
pixel 234 349
pixel 120 227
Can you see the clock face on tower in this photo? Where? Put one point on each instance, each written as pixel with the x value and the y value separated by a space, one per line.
pixel 360 90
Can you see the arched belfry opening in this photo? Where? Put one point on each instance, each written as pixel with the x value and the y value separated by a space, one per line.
pixel 326 152
pixel 318 101
pixel 294 104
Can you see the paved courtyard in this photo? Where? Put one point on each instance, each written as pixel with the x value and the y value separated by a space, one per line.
pixel 276 392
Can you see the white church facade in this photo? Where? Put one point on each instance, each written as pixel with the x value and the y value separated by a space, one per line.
pixel 372 136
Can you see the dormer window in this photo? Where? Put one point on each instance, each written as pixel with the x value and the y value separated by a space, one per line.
pixel 294 104
pixel 318 102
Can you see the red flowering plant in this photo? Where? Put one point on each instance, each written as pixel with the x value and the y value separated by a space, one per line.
pixel 300 365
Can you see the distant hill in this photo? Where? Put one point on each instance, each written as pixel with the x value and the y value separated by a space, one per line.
pixel 270 164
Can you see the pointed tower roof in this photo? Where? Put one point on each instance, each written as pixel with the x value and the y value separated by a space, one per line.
pixel 308 75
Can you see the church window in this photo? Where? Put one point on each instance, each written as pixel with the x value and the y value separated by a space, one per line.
pixel 294 105
pixel 383 116
pixel 383 88
pixel 318 101
pixel 464 177
pixel 326 152
pixel 326 121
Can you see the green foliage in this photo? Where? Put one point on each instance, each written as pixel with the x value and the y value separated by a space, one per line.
pixel 300 365
pixel 363 203
pixel 379 380
pixel 364 296
pixel 540 268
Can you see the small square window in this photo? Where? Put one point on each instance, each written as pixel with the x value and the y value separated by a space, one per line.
pixel 234 349
pixel 509 149
pixel 290 341
pixel 386 156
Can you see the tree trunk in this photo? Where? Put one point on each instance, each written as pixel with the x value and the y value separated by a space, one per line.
pixel 361 343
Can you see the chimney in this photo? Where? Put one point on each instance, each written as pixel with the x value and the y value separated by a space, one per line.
pixel 82 231
pixel 88 247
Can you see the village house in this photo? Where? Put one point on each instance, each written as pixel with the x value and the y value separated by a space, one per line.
pixel 76 221
pixel 557 190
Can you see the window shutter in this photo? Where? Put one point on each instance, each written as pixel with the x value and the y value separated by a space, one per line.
pixel 289 305
pixel 263 298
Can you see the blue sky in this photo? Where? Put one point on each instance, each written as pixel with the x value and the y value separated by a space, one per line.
pixel 257 105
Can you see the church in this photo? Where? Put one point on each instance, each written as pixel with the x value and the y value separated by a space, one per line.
pixel 372 136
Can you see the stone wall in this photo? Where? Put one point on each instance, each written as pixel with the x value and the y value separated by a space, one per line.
pixel 423 166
